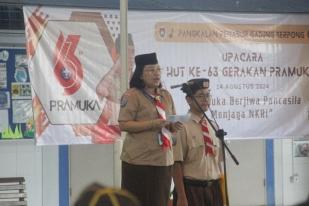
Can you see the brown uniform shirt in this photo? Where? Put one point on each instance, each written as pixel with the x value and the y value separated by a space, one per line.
pixel 190 150
pixel 142 148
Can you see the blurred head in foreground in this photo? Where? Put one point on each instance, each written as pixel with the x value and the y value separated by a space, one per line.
pixel 98 195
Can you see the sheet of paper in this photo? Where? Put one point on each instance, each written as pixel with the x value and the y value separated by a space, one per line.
pixel 178 118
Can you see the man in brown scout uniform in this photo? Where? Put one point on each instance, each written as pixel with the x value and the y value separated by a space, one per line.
pixel 197 154
pixel 147 155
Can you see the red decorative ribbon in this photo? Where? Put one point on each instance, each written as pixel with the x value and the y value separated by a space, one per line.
pixel 207 139
pixel 165 134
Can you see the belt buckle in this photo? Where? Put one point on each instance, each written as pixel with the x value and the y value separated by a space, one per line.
pixel 209 183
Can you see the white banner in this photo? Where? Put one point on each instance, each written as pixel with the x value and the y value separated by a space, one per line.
pixel 257 64
pixel 75 70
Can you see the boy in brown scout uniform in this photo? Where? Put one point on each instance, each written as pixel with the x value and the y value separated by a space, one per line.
pixel 197 154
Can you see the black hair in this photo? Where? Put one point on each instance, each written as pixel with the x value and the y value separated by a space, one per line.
pixel 136 80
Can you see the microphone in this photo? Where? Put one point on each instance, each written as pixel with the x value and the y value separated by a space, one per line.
pixel 177 85
pixel 181 85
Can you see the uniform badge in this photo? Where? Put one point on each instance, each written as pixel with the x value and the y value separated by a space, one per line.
pixel 123 101
pixel 205 84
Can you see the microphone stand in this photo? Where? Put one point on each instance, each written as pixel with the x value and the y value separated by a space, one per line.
pixel 220 133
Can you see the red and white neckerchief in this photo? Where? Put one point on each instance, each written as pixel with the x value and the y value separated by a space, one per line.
pixel 165 134
pixel 209 146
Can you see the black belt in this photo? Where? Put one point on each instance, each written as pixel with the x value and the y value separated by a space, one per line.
pixel 200 183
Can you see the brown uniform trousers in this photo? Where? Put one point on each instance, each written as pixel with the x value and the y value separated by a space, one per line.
pixel 150 184
pixel 201 193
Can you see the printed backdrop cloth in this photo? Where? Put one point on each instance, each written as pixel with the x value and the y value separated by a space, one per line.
pixel 74 70
pixel 257 65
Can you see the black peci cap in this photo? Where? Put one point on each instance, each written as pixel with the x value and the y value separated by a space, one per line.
pixel 145 59
pixel 195 84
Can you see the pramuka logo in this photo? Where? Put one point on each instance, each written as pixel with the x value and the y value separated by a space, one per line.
pixel 68 69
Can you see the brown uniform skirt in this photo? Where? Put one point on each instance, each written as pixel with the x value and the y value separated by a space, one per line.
pixel 150 184
pixel 201 193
